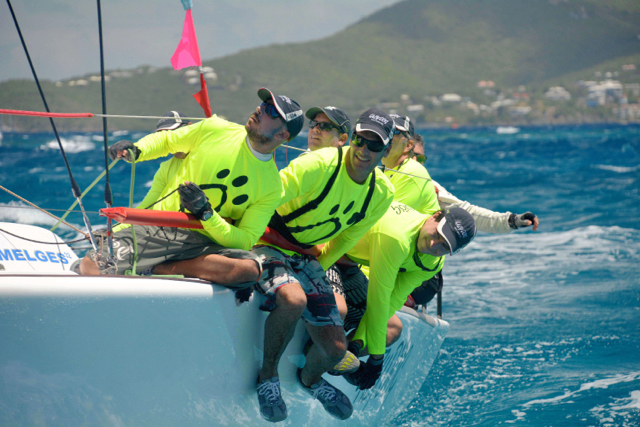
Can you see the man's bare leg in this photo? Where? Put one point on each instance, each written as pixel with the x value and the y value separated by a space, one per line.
pixel 280 326
pixel 394 330
pixel 329 346
pixel 342 305
pixel 214 268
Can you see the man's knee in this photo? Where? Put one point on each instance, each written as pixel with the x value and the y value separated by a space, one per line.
pixel 332 342
pixel 394 330
pixel 88 267
pixel 245 270
pixel 291 297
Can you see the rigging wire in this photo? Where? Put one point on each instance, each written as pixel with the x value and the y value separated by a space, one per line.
pixel 74 185
pixel 45 243
pixel 108 196
pixel 42 210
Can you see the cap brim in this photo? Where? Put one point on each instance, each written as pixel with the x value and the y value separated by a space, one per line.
pixel 265 94
pixel 375 129
pixel 446 234
pixel 171 127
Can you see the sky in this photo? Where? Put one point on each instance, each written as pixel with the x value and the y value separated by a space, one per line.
pixel 62 35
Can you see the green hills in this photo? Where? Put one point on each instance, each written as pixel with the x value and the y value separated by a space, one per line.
pixel 421 48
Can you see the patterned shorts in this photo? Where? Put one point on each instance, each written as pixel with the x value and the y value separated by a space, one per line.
pixel 156 245
pixel 279 269
pixel 350 282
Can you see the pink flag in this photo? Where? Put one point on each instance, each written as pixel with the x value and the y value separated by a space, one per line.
pixel 187 54
pixel 203 97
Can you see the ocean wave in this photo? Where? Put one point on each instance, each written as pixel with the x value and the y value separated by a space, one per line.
pixel 21 213
pixel 75 144
pixel 617 169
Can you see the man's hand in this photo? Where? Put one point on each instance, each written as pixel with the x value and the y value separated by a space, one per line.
pixel 367 374
pixel 193 199
pixel 120 150
pixel 523 220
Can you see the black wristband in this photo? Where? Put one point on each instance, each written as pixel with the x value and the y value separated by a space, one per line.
pixel 375 362
pixel 512 221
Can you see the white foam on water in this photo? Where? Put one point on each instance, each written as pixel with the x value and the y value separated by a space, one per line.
pixel 598 384
pixel 120 133
pixel 617 169
pixel 623 412
pixel 75 144
pixel 97 138
pixel 148 184
pixel 21 213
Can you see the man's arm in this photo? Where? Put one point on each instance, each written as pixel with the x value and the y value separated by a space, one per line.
pixel 250 227
pixel 386 257
pixel 160 144
pixel 486 220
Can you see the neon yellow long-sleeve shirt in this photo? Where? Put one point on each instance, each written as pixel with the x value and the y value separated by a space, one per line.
pixel 239 185
pixel 395 269
pixel 333 220
pixel 415 190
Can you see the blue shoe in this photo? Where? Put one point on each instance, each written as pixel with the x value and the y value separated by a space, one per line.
pixel 333 400
pixel 272 407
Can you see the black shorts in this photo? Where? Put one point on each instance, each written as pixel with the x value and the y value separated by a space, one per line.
pixel 350 282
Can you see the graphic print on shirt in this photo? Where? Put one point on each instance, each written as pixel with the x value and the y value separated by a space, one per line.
pixel 335 221
pixel 237 182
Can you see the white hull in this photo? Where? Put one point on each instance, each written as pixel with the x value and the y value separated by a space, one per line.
pixel 150 351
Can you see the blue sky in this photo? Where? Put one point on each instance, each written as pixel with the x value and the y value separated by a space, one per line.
pixel 62 35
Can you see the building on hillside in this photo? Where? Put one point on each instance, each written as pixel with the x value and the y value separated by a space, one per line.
pixel 607 91
pixel 486 84
pixel 628 112
pixel 451 97
pixel 557 93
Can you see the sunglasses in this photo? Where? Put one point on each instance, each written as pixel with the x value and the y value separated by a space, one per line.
pixel 375 146
pixel 271 110
pixel 324 126
pixel 402 132
pixel 421 158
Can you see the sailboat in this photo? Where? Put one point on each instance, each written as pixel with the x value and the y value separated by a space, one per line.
pixel 138 350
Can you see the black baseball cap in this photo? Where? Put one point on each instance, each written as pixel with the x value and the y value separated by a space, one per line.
pixel 376 121
pixel 336 115
pixel 170 121
pixel 289 110
pixel 458 228
pixel 403 123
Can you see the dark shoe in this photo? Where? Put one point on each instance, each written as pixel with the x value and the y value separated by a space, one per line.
pixel 334 401
pixel 272 407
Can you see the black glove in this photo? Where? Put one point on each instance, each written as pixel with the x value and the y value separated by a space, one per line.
pixel 193 199
pixel 121 150
pixel 518 221
pixel 367 374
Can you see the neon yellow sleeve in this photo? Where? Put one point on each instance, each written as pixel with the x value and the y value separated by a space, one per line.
pixel 160 144
pixel 158 184
pixel 386 257
pixel 405 284
pixel 247 232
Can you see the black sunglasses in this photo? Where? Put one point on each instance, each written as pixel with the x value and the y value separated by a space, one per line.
pixel 271 110
pixel 421 158
pixel 375 146
pixel 403 132
pixel 324 126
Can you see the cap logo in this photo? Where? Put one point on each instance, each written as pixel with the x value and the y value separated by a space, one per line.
pixel 293 115
pixel 378 119
pixel 285 99
pixel 329 108
pixel 460 229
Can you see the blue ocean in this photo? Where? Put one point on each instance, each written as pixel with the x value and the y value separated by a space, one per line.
pixel 545 325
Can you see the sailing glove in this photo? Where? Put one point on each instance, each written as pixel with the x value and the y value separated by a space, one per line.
pixel 193 199
pixel 121 150
pixel 367 374
pixel 517 221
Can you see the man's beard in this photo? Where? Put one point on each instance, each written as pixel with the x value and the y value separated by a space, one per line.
pixel 258 138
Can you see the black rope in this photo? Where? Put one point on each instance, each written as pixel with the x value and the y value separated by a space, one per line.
pixel 45 243
pixel 108 195
pixel 158 201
